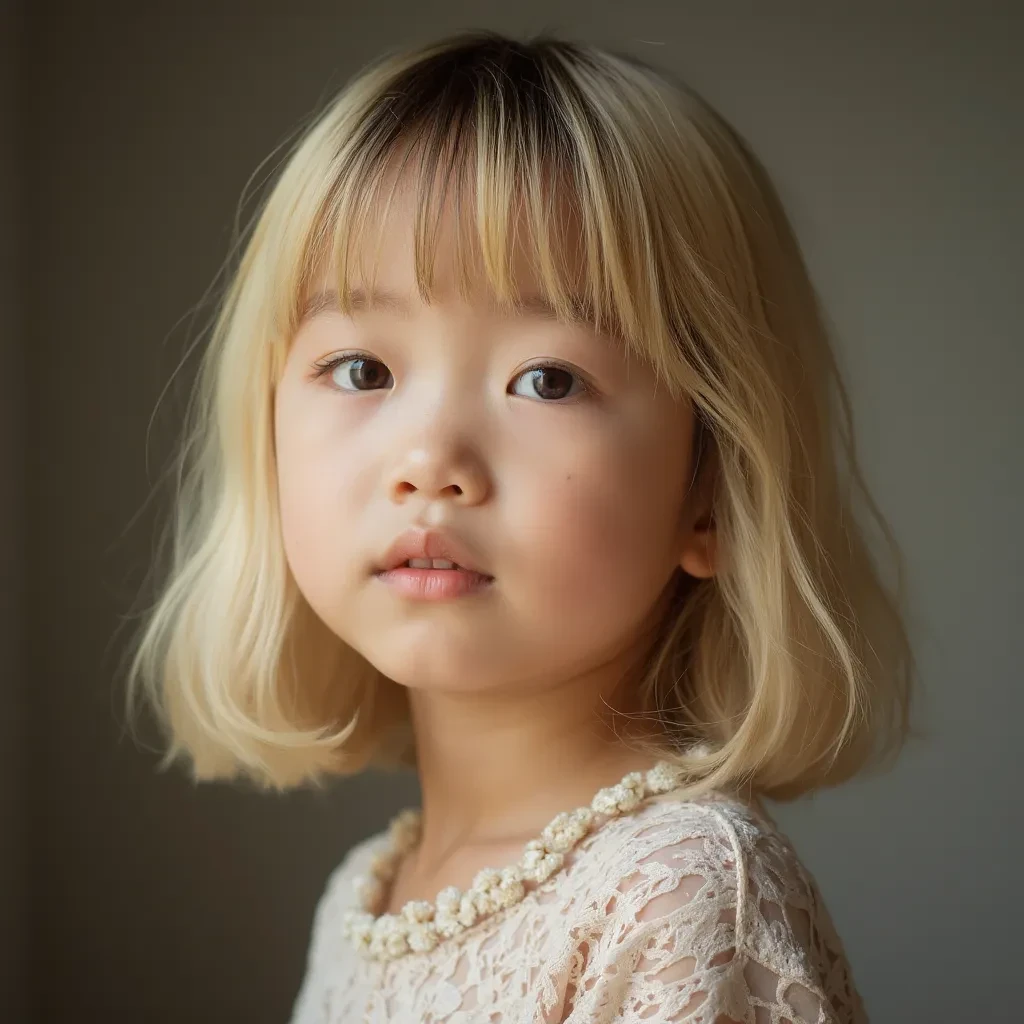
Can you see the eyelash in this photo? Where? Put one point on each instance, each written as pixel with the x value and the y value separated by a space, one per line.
pixel 587 390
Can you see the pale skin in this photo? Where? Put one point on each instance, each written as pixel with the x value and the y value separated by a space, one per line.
pixel 576 505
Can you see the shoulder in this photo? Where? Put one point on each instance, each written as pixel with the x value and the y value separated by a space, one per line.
pixel 338 895
pixel 698 854
pixel 685 848
pixel 707 900
pixel 338 889
pixel 325 945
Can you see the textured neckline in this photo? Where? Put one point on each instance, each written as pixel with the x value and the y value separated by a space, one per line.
pixel 420 926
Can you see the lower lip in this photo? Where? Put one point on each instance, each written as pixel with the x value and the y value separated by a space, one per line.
pixel 434 584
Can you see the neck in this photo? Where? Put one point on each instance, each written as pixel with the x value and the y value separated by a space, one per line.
pixel 495 768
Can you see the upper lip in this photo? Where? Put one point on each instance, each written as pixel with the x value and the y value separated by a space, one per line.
pixel 428 544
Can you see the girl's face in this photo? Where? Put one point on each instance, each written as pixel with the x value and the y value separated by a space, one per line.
pixel 566 486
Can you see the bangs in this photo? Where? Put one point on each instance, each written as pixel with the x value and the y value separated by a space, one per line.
pixel 530 165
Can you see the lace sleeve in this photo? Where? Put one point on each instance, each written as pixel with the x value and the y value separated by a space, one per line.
pixel 711 924
pixel 310 1002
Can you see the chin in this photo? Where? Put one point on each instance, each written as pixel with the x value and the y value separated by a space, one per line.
pixel 432 662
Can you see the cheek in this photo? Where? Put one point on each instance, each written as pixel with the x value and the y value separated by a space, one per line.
pixel 601 527
pixel 318 493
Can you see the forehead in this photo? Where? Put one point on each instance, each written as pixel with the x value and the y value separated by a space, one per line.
pixel 455 260
pixel 527 305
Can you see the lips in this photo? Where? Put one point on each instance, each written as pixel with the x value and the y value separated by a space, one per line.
pixel 429 544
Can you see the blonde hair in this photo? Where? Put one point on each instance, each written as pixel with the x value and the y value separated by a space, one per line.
pixel 791 667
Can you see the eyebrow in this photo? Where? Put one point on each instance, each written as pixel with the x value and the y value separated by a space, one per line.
pixel 326 300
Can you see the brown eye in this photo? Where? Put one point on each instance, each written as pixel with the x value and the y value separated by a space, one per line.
pixel 357 373
pixel 549 383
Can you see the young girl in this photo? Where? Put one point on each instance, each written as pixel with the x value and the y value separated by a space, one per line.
pixel 514 462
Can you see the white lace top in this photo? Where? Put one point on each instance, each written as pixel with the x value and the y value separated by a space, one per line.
pixel 683 911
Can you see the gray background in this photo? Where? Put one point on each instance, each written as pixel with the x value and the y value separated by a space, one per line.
pixel 127 135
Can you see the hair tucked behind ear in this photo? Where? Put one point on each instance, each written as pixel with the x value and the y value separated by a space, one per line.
pixel 792 665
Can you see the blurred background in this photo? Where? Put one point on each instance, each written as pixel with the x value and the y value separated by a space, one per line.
pixel 128 133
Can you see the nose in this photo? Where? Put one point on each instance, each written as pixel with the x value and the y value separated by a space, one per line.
pixel 440 466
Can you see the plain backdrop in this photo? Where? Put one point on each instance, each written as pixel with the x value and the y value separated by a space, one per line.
pixel 128 133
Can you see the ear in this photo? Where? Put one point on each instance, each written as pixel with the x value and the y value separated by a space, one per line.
pixel 700 554
pixel 700 549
